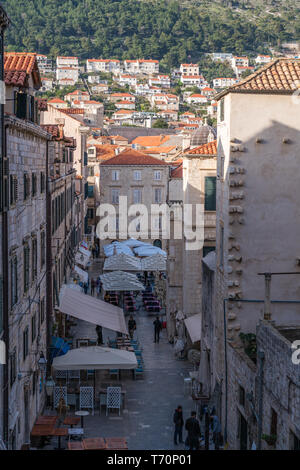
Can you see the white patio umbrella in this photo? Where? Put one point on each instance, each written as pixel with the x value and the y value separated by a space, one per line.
pixel 121 281
pixel 122 262
pixel 155 262
pixel 95 358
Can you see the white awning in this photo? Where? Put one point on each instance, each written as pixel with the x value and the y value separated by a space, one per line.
pixel 193 325
pixel 88 308
pixel 95 357
pixel 122 262
pixel 83 275
pixel 154 263
pixel 121 281
pixel 82 258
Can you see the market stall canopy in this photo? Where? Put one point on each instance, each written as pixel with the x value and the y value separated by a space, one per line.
pixel 83 275
pixel 193 325
pixel 88 308
pixel 121 281
pixel 95 357
pixel 82 257
pixel 154 263
pixel 122 262
pixel 148 250
pixel 116 248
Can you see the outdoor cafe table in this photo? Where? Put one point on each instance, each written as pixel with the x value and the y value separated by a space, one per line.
pixel 42 430
pixel 46 420
pixel 75 445
pixel 116 443
pixel 94 443
pixel 59 432
pixel 71 421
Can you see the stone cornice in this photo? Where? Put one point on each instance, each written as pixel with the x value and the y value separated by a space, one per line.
pixel 27 126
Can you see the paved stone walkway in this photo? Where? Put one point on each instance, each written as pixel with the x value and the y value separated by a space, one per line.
pixel 147 419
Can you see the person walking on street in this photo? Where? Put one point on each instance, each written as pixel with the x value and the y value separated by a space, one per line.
pixel 216 429
pixel 98 287
pixel 157 328
pixel 193 428
pixel 179 422
pixel 99 334
pixel 131 326
pixel 85 287
pixel 93 285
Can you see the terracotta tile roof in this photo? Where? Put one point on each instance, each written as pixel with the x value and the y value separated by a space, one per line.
pixel 151 140
pixel 178 171
pixel 72 110
pixel 159 150
pixel 133 157
pixel 18 66
pixel 52 129
pixel 105 152
pixel 207 149
pixel 56 100
pixel 278 76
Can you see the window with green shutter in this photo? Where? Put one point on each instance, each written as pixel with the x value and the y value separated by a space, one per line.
pixel 210 193
pixel 26 267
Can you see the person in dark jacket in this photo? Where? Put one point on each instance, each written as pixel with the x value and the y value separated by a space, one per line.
pixel 99 334
pixel 193 428
pixel 131 326
pixel 179 422
pixel 157 328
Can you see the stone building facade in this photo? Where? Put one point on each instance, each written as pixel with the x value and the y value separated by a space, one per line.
pixel 26 151
pixel 257 219
pixel 144 180
pixel 184 264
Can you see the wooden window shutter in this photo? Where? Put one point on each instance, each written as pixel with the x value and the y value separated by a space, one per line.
pixel 210 193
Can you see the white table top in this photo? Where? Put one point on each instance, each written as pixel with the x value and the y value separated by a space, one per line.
pixel 82 413
pixel 75 431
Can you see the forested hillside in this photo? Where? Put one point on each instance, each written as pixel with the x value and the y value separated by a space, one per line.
pixel 169 30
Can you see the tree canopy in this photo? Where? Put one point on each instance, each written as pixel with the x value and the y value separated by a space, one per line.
pixel 172 31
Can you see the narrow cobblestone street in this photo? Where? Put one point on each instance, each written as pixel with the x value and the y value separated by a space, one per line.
pixel 146 420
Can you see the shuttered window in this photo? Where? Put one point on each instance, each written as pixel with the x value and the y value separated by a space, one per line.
pixel 13 189
pixel 14 280
pixel 25 343
pixel 210 193
pixel 26 179
pixel 34 258
pixel 26 267
pixel 43 182
pixel 33 184
pixel 43 248
pixel 20 101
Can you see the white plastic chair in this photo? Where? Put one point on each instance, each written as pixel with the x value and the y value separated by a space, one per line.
pixel 86 398
pixel 113 399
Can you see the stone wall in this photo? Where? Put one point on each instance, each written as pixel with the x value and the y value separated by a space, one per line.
pixel 26 152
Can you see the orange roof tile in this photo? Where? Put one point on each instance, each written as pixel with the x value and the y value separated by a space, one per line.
pixel 207 149
pixel 151 140
pixel 133 157
pixel 177 172
pixel 56 100
pixel 278 76
pixel 18 66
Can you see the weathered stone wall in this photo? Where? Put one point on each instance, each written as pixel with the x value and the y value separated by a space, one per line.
pixel 26 151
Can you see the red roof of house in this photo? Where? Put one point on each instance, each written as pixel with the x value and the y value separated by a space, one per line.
pixel 134 158
pixel 56 100
pixel 72 110
pixel 207 149
pixel 151 140
pixel 18 66
pixel 178 171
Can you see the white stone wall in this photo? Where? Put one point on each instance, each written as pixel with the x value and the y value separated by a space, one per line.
pixel 26 151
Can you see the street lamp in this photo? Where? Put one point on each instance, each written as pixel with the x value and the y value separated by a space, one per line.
pixel 42 362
